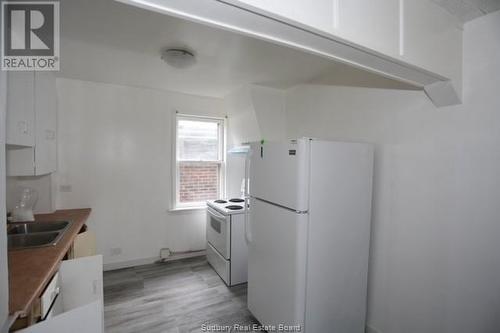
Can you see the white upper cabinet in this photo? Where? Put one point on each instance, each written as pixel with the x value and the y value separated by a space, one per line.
pixel 317 14
pixel 414 41
pixel 373 24
pixel 46 123
pixel 418 32
pixel 33 153
pixel 432 38
pixel 20 118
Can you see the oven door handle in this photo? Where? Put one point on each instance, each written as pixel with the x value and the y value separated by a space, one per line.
pixel 215 214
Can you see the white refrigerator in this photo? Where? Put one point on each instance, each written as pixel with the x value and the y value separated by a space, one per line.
pixel 307 226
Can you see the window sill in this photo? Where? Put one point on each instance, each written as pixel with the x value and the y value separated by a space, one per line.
pixel 186 209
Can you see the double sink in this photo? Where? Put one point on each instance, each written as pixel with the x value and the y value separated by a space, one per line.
pixel 36 234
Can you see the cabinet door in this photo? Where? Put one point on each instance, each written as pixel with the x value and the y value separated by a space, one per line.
pixel 81 281
pixel 432 38
pixel 20 109
pixel 370 23
pixel 85 319
pixel 42 158
pixel 82 299
pixel 20 161
pixel 275 7
pixel 46 123
pixel 317 14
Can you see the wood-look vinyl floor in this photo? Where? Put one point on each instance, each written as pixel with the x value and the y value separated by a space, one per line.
pixel 173 297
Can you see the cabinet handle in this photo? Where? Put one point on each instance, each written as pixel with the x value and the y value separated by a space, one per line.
pixel 23 127
pixel 55 293
pixel 95 283
pixel 50 135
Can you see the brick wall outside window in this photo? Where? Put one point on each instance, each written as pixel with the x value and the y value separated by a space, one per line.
pixel 198 181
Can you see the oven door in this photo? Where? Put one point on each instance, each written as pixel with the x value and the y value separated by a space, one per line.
pixel 219 232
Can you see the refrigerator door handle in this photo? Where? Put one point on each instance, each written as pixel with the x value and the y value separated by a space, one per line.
pixel 248 159
pixel 248 236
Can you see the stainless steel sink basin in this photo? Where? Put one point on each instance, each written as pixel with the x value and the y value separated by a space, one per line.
pixel 36 234
pixel 33 240
pixel 35 227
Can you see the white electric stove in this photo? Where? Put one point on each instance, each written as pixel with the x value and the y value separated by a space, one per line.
pixel 226 244
pixel 228 206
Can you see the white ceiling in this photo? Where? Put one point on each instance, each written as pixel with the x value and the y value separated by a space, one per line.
pixel 467 10
pixel 106 41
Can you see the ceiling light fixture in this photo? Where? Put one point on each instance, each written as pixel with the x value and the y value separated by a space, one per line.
pixel 178 58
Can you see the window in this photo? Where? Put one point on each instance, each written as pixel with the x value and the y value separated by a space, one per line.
pixel 199 169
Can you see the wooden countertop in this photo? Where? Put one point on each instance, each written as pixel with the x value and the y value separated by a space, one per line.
pixel 30 270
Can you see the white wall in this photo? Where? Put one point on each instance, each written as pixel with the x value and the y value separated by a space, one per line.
pixel 243 125
pixel 254 113
pixel 4 277
pixel 269 105
pixel 115 150
pixel 435 264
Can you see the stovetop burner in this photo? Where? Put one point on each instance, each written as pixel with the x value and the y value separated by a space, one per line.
pixel 234 207
pixel 220 201
pixel 236 200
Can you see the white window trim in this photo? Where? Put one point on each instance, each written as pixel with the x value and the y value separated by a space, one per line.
pixel 175 205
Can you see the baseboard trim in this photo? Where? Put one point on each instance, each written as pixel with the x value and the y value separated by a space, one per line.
pixel 139 262
pixel 185 255
pixel 129 263
pixel 371 329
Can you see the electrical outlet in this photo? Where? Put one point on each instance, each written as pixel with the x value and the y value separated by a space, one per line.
pixel 165 253
pixel 65 188
pixel 115 251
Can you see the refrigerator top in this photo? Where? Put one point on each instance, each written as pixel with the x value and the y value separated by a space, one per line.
pixel 279 173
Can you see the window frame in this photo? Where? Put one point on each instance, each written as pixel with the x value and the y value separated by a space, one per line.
pixel 221 121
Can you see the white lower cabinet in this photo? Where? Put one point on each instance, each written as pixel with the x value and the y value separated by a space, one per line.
pixel 81 307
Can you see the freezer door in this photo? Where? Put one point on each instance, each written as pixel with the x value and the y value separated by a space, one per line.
pixel 279 173
pixel 276 264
